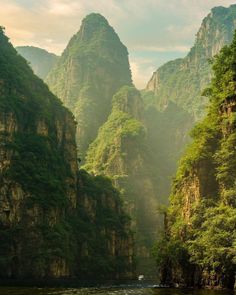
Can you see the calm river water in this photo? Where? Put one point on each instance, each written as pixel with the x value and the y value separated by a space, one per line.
pixel 125 290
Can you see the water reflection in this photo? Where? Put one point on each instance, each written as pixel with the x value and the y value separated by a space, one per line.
pixel 108 291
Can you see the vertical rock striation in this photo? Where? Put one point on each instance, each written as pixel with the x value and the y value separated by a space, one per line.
pixel 46 218
pixel 121 152
pixel 38 167
pixel 202 215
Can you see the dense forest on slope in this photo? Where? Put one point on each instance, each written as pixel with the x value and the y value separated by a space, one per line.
pixel 121 152
pixel 105 239
pixel 199 246
pixel 173 97
pixel 39 59
pixel 38 180
pixel 91 69
pixel 51 216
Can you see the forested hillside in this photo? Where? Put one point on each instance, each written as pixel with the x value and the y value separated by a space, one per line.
pixel 199 245
pixel 53 218
pixel 90 71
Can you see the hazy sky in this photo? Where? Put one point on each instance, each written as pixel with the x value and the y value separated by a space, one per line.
pixel 154 31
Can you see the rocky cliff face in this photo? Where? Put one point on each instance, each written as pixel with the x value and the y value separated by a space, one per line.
pixel 38 172
pixel 121 152
pixel 183 80
pixel 173 98
pixel 91 69
pixel 201 218
pixel 106 241
pixel 41 61
pixel 44 211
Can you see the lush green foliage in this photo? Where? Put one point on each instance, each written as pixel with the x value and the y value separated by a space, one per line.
pixel 170 252
pixel 202 215
pixel 120 130
pixel 213 243
pixel 42 232
pixel 90 71
pixel 183 80
pixel 121 152
pixel 98 226
pixel 38 167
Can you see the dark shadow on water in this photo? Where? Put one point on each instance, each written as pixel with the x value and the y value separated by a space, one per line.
pixel 127 289
pixel 76 287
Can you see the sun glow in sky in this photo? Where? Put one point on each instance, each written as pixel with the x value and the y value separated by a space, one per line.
pixel 154 31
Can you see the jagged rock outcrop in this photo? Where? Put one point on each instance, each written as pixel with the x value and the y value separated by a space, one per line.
pixel 40 60
pixel 91 69
pixel 201 220
pixel 183 80
pixel 44 209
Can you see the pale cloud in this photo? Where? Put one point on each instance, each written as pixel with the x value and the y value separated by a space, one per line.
pixel 63 9
pixel 162 49
pixel 158 28
pixel 141 71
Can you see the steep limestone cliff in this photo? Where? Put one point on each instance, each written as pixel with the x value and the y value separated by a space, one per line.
pixel 121 152
pixel 53 222
pixel 173 99
pixel 38 166
pixel 91 69
pixel 40 60
pixel 201 220
pixel 106 241
pixel 183 80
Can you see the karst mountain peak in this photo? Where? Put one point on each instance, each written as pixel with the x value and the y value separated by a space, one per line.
pixel 92 68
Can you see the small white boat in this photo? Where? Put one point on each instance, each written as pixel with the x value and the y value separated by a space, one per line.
pixel 141 277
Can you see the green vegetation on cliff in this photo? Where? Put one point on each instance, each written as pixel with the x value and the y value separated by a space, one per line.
pixel 202 215
pixel 121 152
pixel 122 132
pixel 173 97
pixel 183 80
pixel 103 230
pixel 35 172
pixel 53 223
pixel 91 69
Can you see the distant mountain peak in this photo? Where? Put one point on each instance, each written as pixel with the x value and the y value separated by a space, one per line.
pixel 182 81
pixel 95 28
pixel 40 60
pixel 92 68
pixel 35 48
pixel 95 18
